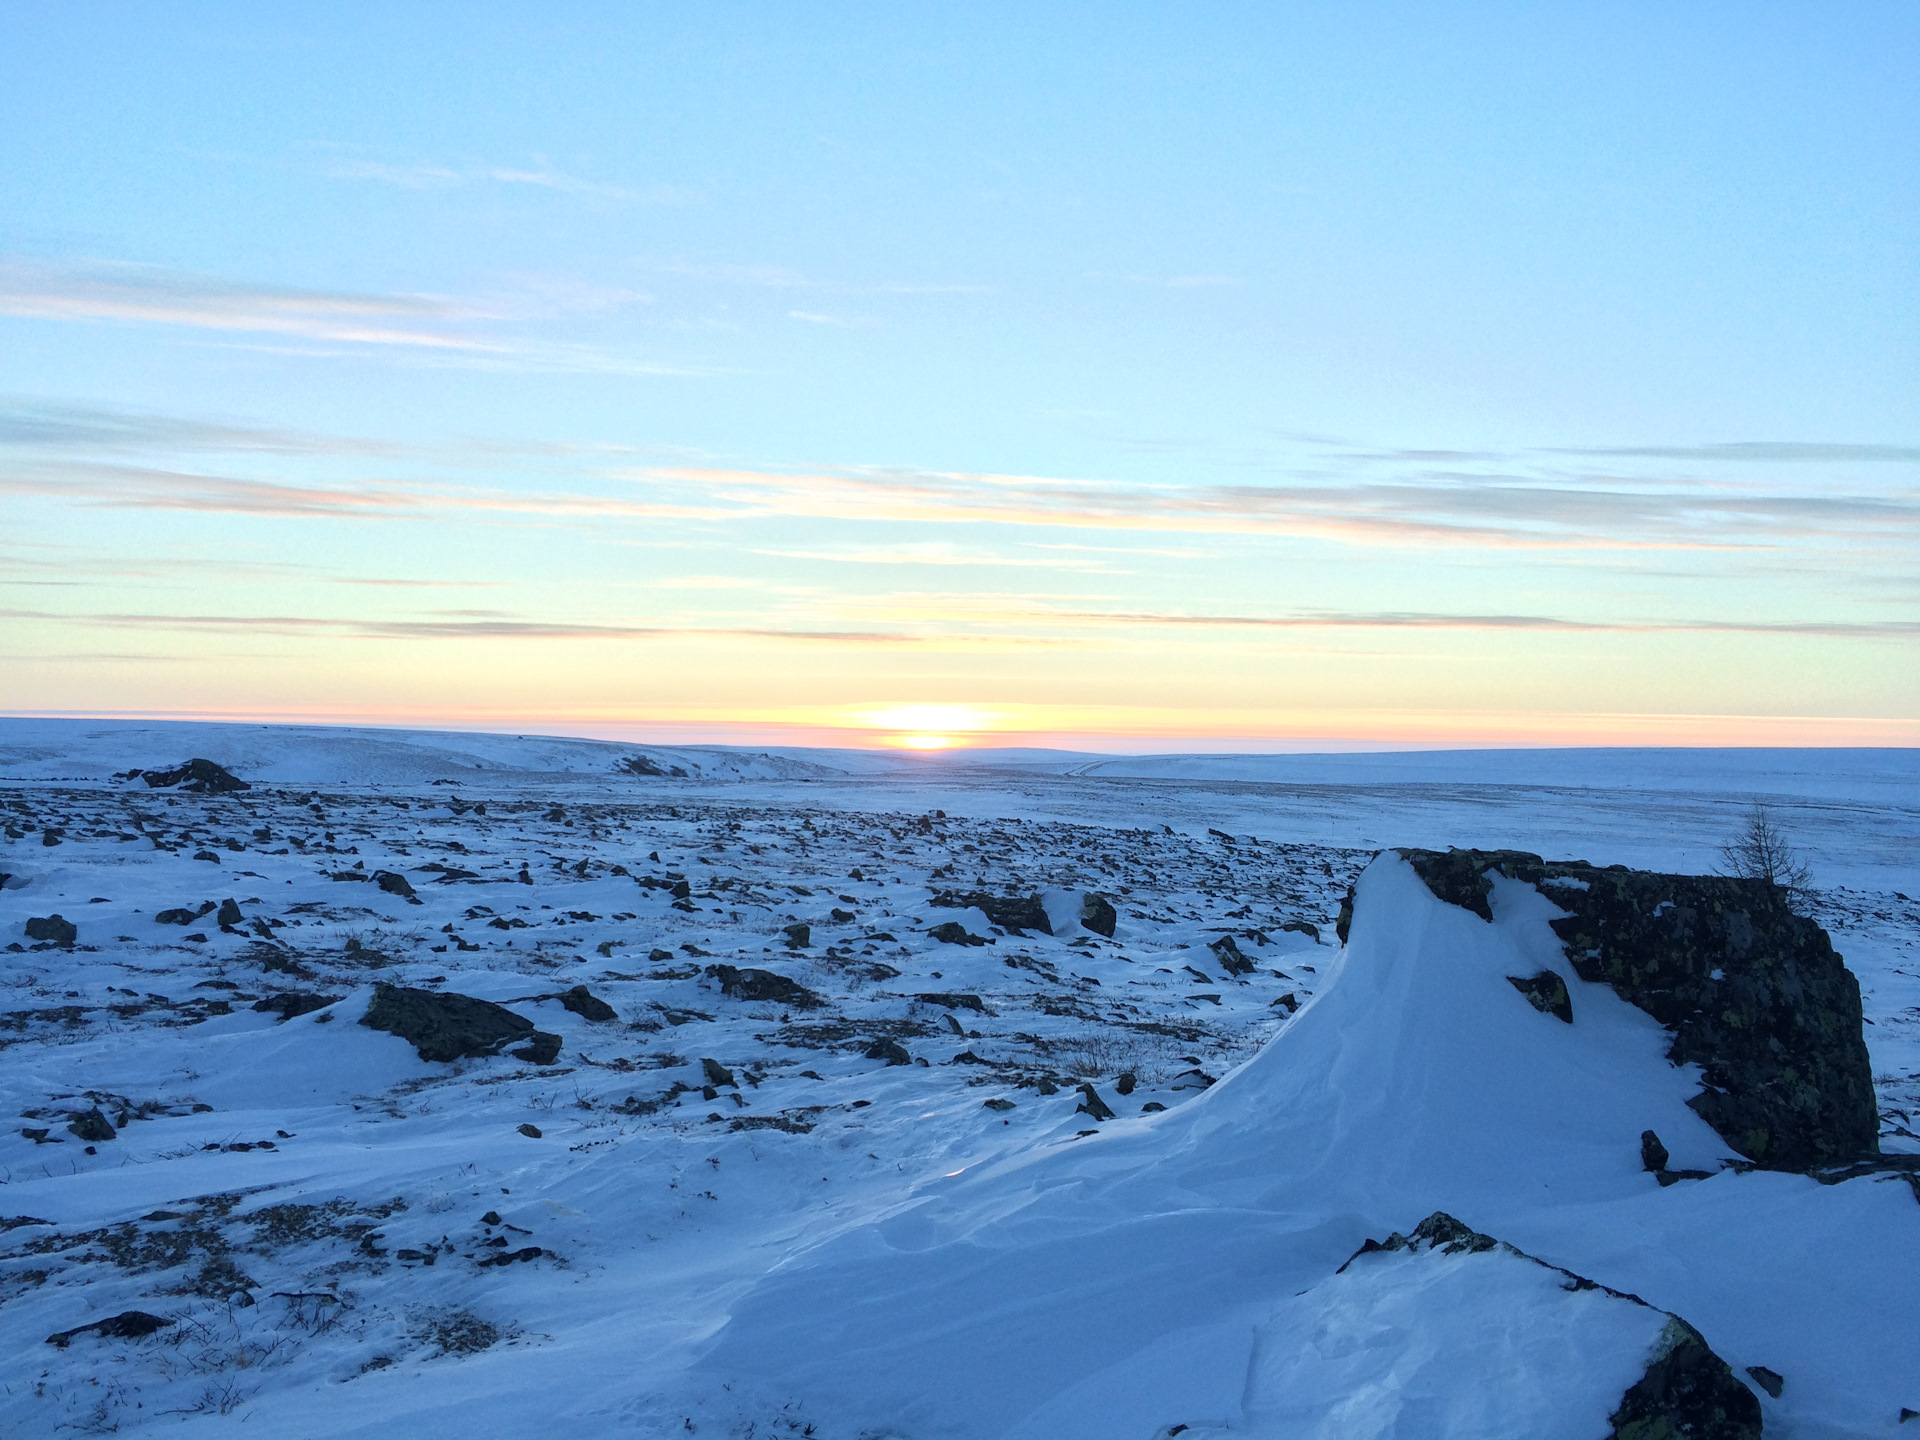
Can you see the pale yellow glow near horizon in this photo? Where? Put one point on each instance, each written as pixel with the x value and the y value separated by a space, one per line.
pixel 942 721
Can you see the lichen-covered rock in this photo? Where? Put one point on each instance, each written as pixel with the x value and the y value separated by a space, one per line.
pixel 1751 992
pixel 1688 1391
pixel 447 1027
pixel 1546 992
pixel 1009 912
pixel 91 1125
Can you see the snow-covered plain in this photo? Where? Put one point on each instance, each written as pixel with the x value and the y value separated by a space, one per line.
pixel 953 1247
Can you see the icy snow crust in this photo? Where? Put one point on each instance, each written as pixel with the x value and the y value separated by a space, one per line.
pixel 920 1265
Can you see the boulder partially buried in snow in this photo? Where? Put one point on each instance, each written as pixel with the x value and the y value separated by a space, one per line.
pixel 1751 992
pixel 1449 1332
pixel 446 1027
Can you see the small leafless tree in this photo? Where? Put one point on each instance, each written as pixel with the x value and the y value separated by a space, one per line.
pixel 1761 852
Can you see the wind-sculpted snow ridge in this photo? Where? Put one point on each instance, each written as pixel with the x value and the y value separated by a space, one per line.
pixel 612 1103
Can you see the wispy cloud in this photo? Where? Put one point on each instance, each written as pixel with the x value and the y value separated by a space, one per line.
pixel 117 290
pixel 839 322
pixel 483 627
pixel 426 328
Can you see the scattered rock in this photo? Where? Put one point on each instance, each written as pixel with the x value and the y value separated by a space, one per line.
pixel 127 1325
pixel 716 1073
pixel 182 916
pixel 1547 993
pixel 52 930
pixel 229 913
pixel 445 1027
pixel 291 1003
pixel 1192 1080
pixel 530 1252
pixel 952 932
pixel 1097 914
pixel 1304 927
pixel 1227 951
pixel 395 883
pixel 749 984
pixel 1126 1082
pixel 1092 1104
pixel 91 1125
pixel 891 1051
pixel 1653 1155
pixel 588 1006
pixel 999 1104
pixel 201 777
pixel 953 1000
pixel 799 937
pixel 1771 1381
pixel 1014 913
pixel 1751 992
pixel 532 1132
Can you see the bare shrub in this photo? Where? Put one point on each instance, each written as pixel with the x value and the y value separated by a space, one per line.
pixel 1762 852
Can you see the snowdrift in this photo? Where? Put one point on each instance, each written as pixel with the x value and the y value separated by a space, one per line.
pixel 1184 1270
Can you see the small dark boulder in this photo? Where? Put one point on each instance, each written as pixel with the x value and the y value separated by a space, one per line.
pixel 444 1027
pixel 1547 993
pixel 1771 1381
pixel 201 777
pixel 716 1073
pixel 127 1325
pixel 182 915
pixel 891 1051
pixel 52 930
pixel 952 932
pixel 1092 1104
pixel 1192 1080
pixel 1098 915
pixel 750 984
pixel 953 1000
pixel 291 1003
pixel 799 937
pixel 1009 912
pixel 395 883
pixel 90 1125
pixel 229 913
pixel 1126 1082
pixel 532 1132
pixel 1227 951
pixel 588 1006
pixel 1653 1155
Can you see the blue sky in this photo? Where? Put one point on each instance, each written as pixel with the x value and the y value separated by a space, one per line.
pixel 1105 375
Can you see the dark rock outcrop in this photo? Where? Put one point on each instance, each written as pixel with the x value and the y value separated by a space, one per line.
pixel 1751 992
pixel 447 1027
pixel 889 1050
pixel 799 937
pixel 1097 914
pixel 201 777
pixel 1010 912
pixel 52 930
pixel 748 984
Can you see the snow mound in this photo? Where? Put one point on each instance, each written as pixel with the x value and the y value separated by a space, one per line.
pixel 348 755
pixel 1157 1251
